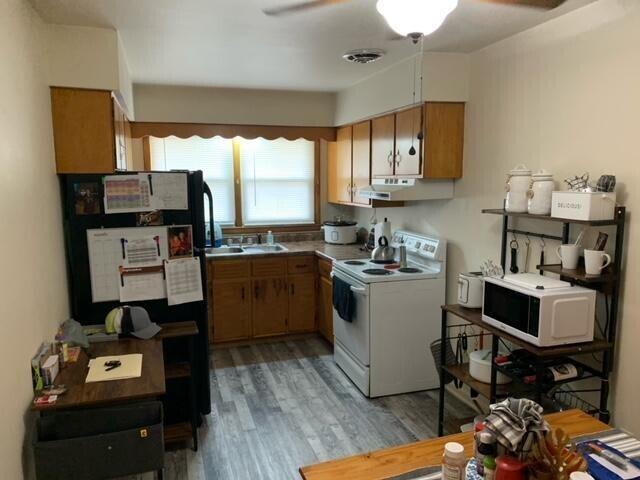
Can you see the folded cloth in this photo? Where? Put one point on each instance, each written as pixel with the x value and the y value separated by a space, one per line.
pixel 343 300
pixel 517 424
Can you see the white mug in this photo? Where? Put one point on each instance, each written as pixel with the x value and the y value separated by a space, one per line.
pixel 593 261
pixel 569 254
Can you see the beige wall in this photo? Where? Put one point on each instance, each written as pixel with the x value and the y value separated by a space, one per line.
pixel 564 96
pixel 156 103
pixel 445 78
pixel 88 57
pixel 33 286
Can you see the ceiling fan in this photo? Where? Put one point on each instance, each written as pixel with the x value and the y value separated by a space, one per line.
pixel 410 18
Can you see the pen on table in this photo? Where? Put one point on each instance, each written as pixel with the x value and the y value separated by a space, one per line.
pixel 612 457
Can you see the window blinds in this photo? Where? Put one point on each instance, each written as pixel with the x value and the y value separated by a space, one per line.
pixel 214 156
pixel 277 181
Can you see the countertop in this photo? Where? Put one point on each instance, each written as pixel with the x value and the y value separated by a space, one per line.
pixel 319 247
pixel 394 461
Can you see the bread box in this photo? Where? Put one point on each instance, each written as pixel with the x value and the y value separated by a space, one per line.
pixel 583 205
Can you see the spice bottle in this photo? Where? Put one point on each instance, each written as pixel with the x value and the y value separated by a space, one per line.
pixel 453 461
pixel 486 447
pixel 489 464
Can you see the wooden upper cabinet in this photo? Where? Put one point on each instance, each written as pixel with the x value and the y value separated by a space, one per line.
pixel 91 132
pixel 408 128
pixel 382 145
pixel 343 164
pixel 332 172
pixel 361 164
pixel 444 140
pixel 83 130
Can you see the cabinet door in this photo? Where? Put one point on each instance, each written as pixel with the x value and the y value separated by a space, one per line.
pixel 270 306
pixel 408 126
pixel 231 310
pixel 332 172
pixel 302 302
pixel 343 165
pixel 382 143
pixel 444 140
pixel 83 130
pixel 325 308
pixel 361 163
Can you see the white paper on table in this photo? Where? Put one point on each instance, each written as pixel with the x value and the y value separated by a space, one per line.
pixel 143 252
pixel 184 281
pixel 631 472
pixel 127 193
pixel 131 367
pixel 142 286
pixel 170 191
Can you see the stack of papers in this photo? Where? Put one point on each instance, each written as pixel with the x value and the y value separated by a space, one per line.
pixel 131 367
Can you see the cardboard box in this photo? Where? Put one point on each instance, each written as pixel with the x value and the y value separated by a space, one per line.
pixel 583 205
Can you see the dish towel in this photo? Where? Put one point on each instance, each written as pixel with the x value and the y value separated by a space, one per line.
pixel 517 424
pixel 343 300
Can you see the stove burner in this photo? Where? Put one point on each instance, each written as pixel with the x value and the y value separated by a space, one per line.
pixel 410 270
pixel 377 271
pixel 382 262
pixel 353 262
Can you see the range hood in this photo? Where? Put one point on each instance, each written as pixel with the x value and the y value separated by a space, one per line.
pixel 407 189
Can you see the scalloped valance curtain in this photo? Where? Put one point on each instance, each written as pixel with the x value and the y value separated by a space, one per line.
pixel 209 130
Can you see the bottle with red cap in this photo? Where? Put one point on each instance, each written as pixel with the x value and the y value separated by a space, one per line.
pixel 510 468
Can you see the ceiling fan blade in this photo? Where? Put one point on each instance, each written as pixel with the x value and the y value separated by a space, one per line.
pixel 544 4
pixel 300 7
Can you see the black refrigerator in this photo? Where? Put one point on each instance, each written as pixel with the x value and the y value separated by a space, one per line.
pixel 85 209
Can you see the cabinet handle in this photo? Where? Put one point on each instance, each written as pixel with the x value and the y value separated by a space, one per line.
pixel 348 188
pixel 255 291
pixel 243 294
pixel 390 158
pixel 293 289
pixel 398 157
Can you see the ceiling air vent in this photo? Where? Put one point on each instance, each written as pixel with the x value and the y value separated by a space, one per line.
pixel 363 55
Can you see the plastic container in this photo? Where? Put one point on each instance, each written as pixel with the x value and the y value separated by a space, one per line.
pixel 583 205
pixel 518 182
pixel 453 461
pixel 270 240
pixel 480 367
pixel 489 464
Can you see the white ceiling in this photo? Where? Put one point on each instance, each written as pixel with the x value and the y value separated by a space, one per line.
pixel 231 43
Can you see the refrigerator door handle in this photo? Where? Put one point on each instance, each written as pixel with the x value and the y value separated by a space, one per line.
pixel 209 195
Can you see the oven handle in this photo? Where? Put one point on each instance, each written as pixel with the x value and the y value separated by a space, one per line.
pixel 358 290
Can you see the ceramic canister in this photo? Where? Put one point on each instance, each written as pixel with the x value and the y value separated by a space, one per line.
pixel 518 182
pixel 540 193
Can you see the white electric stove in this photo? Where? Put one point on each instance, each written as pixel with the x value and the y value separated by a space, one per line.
pixel 384 350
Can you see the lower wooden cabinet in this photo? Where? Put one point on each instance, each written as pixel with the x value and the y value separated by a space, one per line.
pixel 270 304
pixel 302 303
pixel 262 297
pixel 231 310
pixel 325 300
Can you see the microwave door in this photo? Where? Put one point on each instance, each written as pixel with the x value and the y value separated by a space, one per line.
pixel 512 308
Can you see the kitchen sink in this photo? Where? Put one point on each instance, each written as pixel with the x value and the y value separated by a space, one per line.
pixel 224 250
pixel 265 248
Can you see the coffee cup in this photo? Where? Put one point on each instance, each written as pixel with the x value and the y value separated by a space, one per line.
pixel 569 254
pixel 593 261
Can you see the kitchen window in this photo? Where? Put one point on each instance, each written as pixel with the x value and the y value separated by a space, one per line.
pixel 255 182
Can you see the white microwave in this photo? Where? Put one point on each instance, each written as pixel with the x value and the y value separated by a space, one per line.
pixel 540 310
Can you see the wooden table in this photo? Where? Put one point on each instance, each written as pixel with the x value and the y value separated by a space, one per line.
pixel 393 461
pixel 151 384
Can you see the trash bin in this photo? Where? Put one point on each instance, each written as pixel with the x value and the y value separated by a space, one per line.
pixel 99 443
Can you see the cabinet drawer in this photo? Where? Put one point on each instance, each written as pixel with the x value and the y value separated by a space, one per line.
pixel 302 264
pixel 268 267
pixel 324 268
pixel 229 269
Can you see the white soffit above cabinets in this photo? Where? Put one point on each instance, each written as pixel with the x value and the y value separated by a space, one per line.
pixel 232 43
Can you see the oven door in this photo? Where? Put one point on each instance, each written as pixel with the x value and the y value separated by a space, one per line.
pixel 354 335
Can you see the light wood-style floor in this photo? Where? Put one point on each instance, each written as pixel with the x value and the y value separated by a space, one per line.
pixel 278 406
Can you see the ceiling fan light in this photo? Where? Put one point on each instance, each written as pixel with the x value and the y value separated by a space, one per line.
pixel 415 16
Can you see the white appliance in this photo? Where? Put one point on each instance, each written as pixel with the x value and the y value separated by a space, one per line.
pixel 470 289
pixel 384 350
pixel 340 232
pixel 540 310
pixel 405 189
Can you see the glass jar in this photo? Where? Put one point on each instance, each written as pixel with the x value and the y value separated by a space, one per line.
pixel 518 183
pixel 540 193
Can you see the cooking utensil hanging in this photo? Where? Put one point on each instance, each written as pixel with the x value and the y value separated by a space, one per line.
pixel 514 254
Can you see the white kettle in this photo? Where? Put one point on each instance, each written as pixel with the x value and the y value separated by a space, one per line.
pixel 470 289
